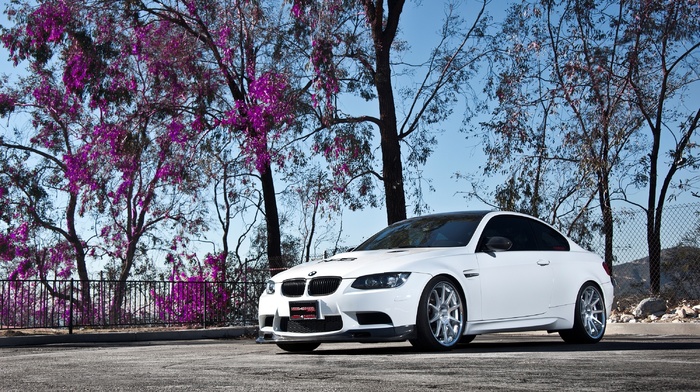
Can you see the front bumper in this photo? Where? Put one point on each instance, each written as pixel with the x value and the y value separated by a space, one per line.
pixel 346 315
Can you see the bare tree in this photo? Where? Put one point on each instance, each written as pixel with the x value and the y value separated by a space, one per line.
pixel 664 41
pixel 358 46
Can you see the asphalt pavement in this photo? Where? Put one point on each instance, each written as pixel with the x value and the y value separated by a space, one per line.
pixel 126 336
pixel 525 362
pixel 652 329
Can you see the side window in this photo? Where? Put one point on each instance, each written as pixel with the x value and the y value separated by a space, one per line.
pixel 549 238
pixel 515 228
pixel 525 233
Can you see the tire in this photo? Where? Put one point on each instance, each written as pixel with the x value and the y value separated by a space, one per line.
pixel 589 317
pixel 298 347
pixel 441 316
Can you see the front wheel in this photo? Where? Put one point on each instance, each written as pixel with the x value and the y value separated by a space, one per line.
pixel 589 317
pixel 440 318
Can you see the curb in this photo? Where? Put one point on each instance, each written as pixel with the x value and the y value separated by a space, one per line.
pixel 645 329
pixel 658 329
pixel 640 329
pixel 122 337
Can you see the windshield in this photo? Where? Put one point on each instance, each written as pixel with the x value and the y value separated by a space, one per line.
pixel 432 231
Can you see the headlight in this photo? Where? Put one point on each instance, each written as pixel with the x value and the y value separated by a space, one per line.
pixel 381 281
pixel 270 287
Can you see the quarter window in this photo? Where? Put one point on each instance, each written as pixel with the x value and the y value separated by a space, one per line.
pixel 550 239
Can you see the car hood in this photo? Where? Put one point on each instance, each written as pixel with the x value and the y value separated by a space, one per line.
pixel 355 264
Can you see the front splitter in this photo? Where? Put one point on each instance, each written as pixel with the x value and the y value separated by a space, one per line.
pixel 375 335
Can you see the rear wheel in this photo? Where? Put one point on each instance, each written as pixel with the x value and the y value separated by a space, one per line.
pixel 440 318
pixel 589 317
pixel 298 347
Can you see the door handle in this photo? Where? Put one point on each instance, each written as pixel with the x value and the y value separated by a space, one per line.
pixel 542 262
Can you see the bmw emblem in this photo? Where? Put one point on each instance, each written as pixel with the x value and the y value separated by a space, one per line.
pixel 312 273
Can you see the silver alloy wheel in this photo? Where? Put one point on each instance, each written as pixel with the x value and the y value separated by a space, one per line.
pixel 445 314
pixel 592 312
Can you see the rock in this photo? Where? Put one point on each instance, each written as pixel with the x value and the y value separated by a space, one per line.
pixel 650 306
pixel 667 317
pixel 626 318
pixel 687 311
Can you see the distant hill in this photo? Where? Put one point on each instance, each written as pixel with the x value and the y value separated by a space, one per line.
pixel 680 275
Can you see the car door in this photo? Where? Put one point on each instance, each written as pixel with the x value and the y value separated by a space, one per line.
pixel 516 282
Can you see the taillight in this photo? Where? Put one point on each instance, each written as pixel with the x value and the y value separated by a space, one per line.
pixel 607 269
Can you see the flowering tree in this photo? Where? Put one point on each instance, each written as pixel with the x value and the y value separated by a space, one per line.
pixel 191 297
pixel 244 46
pixel 109 135
pixel 155 104
pixel 125 96
pixel 34 174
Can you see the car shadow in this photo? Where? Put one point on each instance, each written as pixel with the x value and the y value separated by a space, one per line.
pixel 513 345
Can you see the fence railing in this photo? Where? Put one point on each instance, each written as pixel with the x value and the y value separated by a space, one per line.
pixel 107 303
pixel 102 303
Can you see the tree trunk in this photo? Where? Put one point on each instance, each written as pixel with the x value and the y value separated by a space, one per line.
pixel 85 301
pixel 392 171
pixel 274 236
pixel 312 231
pixel 654 215
pixel 653 239
pixel 606 212
pixel 383 33
pixel 654 242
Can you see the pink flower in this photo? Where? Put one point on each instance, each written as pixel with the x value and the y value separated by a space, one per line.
pixel 266 110
pixel 176 132
pixel 7 104
pixel 49 22
pixel 76 72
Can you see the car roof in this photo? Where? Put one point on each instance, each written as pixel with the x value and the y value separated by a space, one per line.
pixel 455 214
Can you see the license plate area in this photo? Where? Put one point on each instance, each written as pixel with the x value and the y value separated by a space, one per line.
pixel 306 310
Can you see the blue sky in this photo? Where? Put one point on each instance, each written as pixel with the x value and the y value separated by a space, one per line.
pixel 419 26
pixel 454 152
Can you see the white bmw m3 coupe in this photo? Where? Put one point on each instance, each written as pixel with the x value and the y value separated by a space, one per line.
pixel 439 280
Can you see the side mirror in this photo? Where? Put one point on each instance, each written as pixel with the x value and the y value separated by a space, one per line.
pixel 498 244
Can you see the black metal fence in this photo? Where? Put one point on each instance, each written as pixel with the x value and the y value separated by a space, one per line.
pixel 105 303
